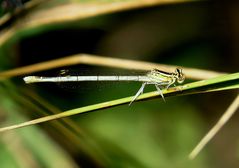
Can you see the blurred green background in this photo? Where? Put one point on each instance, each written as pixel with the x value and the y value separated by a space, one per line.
pixel 147 134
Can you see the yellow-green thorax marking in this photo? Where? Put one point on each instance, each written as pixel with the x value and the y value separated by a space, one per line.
pixel 162 77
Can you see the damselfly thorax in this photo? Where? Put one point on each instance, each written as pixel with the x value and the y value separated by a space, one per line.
pixel 161 79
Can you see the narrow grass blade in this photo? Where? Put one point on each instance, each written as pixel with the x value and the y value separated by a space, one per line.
pixel 221 122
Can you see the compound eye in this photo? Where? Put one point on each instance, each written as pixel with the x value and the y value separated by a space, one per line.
pixel 180 75
pixel 181 79
pixel 179 71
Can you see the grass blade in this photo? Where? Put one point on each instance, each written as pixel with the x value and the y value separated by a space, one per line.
pixel 221 122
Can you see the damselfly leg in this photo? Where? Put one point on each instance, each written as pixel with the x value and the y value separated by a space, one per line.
pixel 160 92
pixel 140 91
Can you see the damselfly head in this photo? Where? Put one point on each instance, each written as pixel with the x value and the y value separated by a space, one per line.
pixel 179 75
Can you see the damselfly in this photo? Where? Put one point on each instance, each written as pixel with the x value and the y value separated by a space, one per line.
pixel 161 80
